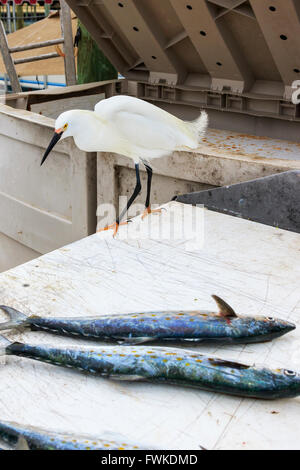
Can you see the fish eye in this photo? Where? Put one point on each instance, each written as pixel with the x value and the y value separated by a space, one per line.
pixel 290 373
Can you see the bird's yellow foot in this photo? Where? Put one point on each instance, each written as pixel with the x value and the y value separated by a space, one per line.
pixel 148 211
pixel 114 227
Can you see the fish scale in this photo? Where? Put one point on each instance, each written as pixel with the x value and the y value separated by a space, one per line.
pixel 36 439
pixel 136 328
pixel 166 365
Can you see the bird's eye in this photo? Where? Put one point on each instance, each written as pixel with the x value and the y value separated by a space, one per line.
pixel 290 373
pixel 270 318
pixel 65 126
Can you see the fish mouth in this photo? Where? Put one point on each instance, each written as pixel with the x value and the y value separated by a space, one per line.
pixel 291 326
pixel 278 329
pixel 53 142
pixel 281 329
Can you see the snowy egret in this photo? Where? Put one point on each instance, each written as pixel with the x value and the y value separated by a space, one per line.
pixel 131 127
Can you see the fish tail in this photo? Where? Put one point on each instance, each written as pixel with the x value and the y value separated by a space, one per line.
pixel 16 318
pixel 4 343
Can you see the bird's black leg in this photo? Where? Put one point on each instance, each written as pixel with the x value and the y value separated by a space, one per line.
pixel 148 209
pixel 135 194
pixel 149 181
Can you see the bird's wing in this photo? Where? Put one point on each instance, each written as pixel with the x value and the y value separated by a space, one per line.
pixel 144 125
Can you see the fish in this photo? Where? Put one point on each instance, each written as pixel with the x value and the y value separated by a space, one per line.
pixel 31 438
pixel 165 366
pixel 139 328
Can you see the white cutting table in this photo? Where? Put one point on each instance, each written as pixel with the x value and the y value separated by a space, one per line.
pixel 256 268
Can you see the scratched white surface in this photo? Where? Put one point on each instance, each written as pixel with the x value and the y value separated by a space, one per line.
pixel 255 268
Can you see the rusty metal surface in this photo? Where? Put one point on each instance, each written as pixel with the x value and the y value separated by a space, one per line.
pixel 233 143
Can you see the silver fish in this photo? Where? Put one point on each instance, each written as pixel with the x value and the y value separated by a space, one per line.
pixel 31 438
pixel 166 366
pixel 137 328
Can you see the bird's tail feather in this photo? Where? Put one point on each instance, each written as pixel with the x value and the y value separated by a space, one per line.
pixel 199 125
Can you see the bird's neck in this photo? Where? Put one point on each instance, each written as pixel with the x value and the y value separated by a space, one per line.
pixel 89 132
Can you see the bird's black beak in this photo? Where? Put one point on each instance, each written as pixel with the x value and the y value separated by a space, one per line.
pixel 54 141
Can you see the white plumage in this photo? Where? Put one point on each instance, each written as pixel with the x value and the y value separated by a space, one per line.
pixel 131 127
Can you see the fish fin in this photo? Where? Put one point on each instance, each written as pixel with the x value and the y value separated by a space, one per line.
pixel 128 378
pixel 22 444
pixel 16 318
pixel 224 309
pixel 4 343
pixel 132 341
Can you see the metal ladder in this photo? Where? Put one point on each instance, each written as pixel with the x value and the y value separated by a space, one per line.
pixel 66 40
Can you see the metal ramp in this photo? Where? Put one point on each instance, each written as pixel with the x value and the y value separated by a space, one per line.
pixel 273 200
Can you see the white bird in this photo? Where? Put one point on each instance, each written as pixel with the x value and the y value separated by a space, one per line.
pixel 131 127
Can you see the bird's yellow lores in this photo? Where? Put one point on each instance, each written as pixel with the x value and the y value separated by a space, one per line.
pixel 133 128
